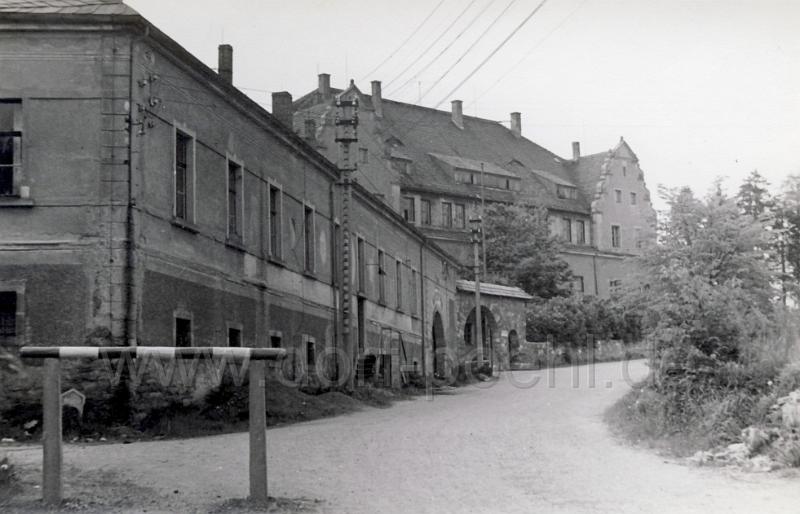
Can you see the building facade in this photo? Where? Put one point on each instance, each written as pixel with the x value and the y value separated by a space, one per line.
pixel 144 200
pixel 438 169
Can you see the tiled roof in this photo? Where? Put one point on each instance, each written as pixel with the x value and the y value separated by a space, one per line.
pixel 473 165
pixel 493 290
pixel 588 170
pixel 99 7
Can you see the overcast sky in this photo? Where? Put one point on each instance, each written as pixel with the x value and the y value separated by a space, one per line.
pixel 698 88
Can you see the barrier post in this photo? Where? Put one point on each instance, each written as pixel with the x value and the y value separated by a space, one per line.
pixel 258 431
pixel 51 406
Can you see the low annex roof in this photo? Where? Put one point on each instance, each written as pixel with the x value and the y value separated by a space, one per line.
pixel 493 290
pixel 98 7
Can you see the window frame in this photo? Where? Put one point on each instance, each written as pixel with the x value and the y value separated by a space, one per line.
pixel 398 281
pixel 633 198
pixel 180 314
pixel 459 221
pixel 447 220
pixel 190 182
pixel 414 294
pixel 581 239
pixel 310 343
pixel 274 234
pixel 381 277
pixel 309 240
pixel 566 229
pixel 409 211
pixel 16 134
pixel 20 337
pixel 426 212
pixel 616 236
pixel 361 264
pixel 238 236
pixel 618 195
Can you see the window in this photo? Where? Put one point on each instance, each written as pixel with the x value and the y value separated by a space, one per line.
pixel 183 207
pixel 275 341
pixel 8 314
pixel 615 242
pixel 614 286
pixel 637 236
pixel 580 232
pixel 309 237
pixel 425 212
pixel 275 224
pixel 311 353
pixel 566 192
pixel 10 146
pixel 618 195
pixel 633 198
pixel 399 283
pixel 460 220
pixel 624 171
pixel 567 230
pixel 413 292
pixel 183 332
pixel 235 204
pixel 361 263
pixel 363 155
pixel 464 177
pixel 381 278
pixel 447 214
pixel 577 285
pixel 234 337
pixel 401 165
pixel 408 209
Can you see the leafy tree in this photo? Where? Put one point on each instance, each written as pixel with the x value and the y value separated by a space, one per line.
pixel 520 250
pixel 706 291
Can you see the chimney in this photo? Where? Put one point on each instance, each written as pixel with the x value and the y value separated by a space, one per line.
pixel 225 66
pixel 377 98
pixel 458 115
pixel 576 150
pixel 516 124
pixel 282 108
pixel 324 88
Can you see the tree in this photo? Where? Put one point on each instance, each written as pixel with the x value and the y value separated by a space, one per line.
pixel 706 291
pixel 753 197
pixel 787 224
pixel 520 250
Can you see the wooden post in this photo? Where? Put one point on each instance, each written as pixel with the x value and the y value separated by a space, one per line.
pixel 51 439
pixel 258 432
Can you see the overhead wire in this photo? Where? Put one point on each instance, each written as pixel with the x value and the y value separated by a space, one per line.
pixel 414 33
pixel 493 53
pixel 528 53
pixel 468 50
pixel 446 48
pixel 424 52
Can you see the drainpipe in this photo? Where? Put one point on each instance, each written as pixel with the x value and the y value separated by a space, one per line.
pixel 130 331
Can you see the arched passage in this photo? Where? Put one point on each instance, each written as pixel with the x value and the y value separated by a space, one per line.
pixel 439 346
pixel 488 329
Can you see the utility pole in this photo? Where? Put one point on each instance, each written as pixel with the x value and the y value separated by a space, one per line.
pixel 483 234
pixel 476 240
pixel 347 134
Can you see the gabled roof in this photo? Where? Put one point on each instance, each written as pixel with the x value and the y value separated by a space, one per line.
pixel 98 7
pixel 493 290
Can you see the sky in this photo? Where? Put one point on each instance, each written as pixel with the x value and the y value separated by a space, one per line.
pixel 700 89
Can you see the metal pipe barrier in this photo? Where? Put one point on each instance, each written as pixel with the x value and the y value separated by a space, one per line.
pixel 51 401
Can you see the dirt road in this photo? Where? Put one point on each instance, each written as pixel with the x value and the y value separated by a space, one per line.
pixel 504 448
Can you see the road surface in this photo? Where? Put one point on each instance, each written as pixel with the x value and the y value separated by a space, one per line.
pixel 502 448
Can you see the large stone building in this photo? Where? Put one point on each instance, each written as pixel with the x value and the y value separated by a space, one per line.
pixel 144 200
pixel 434 167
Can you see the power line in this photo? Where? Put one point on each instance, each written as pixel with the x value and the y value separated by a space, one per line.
pixel 446 48
pixel 528 53
pixel 441 35
pixel 428 17
pixel 492 54
pixel 474 43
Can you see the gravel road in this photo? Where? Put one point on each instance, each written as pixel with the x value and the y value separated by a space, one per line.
pixel 501 448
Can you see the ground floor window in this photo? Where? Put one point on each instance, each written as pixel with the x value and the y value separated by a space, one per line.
pixel 183 332
pixel 8 313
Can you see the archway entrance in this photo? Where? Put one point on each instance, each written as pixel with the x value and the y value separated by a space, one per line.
pixel 439 347
pixel 488 332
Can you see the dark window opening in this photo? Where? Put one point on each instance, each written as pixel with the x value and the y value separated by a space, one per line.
pixel 399 284
pixel 275 341
pixel 234 337
pixel 362 266
pixel 409 213
pixel 447 214
pixel 234 200
pixel 615 236
pixel 362 325
pixel 8 314
pixel 183 178
pixel 309 237
pixel 183 332
pixel 311 354
pixel 275 221
pixel 10 144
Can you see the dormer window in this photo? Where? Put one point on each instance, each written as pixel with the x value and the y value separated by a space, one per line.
pixel 401 165
pixel 566 192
